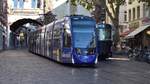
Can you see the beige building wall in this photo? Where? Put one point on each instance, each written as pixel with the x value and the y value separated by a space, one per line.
pixel 140 14
pixel 132 15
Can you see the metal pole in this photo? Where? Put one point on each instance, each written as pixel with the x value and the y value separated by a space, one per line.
pixel 45 27
pixel 44 5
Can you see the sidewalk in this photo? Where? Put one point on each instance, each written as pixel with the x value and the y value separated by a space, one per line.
pixel 120 53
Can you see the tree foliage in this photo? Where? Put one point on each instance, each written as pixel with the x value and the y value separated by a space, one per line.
pixel 49 17
pixel 88 4
pixel 148 1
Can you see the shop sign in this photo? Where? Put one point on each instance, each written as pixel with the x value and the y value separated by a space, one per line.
pixel 134 25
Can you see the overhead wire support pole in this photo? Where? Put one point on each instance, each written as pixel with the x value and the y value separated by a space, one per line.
pixel 44 5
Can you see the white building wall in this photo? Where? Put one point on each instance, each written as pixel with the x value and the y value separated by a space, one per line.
pixel 27 11
pixel 27 5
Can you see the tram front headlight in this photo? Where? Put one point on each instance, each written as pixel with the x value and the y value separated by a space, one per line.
pixel 78 51
pixel 91 51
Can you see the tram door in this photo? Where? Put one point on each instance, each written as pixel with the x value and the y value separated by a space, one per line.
pixel 56 43
pixel 66 44
pixel 48 43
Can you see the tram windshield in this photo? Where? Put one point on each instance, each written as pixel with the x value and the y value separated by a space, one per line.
pixel 104 34
pixel 84 36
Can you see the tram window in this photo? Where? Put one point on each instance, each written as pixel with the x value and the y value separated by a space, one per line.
pixel 56 34
pixel 48 39
pixel 104 34
pixel 48 42
pixel 67 39
pixel 49 34
pixel 57 37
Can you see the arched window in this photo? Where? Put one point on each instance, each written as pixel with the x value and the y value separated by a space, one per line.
pixel 38 3
pixel 34 4
pixel 15 4
pixel 21 3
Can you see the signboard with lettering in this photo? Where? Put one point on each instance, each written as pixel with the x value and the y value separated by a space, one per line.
pixel 134 25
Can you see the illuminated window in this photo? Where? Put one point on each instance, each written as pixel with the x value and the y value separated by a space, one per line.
pixel 148 32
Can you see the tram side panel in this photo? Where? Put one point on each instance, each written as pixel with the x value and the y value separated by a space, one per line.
pixel 104 43
pixel 63 47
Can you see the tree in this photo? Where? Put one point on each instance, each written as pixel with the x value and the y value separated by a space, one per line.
pixel 100 6
pixel 49 17
pixel 148 1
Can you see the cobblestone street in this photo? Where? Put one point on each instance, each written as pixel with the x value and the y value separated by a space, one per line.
pixel 22 67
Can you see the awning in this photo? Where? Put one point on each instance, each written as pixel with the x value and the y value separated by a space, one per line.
pixel 136 31
pixel 126 33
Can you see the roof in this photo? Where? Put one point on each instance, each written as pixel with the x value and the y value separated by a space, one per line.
pixel 137 31
pixel 126 33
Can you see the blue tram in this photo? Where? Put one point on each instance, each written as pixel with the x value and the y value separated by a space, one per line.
pixel 69 40
pixel 104 41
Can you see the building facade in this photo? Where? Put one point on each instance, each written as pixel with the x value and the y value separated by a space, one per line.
pixel 25 9
pixel 134 13
pixel 138 13
pixel 3 24
pixel 138 18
